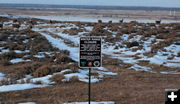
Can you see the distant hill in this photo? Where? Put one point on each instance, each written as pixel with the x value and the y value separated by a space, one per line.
pixel 45 6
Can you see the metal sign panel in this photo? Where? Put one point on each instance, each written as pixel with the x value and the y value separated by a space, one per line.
pixel 90 52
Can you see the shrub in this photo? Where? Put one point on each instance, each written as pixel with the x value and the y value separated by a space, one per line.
pixel 28 80
pixel 22 81
pixel 131 36
pixel 140 32
pixel 111 39
pixel 171 57
pixel 29 69
pixel 17 47
pixel 74 68
pixel 114 27
pixel 176 27
pixel 132 44
pixel 142 38
pixel 38 82
pixel 8 55
pixel 9 102
pixel 124 31
pixel 98 30
pixel 67 72
pixel 5 62
pixel 41 44
pixel 42 71
pixel 4 81
pixel 72 31
pixel 99 21
pixel 110 22
pixel 3 37
pixel 18 74
pixel 66 52
pixel 1 25
pixel 178 55
pixel 57 78
pixel 121 21
pixel 162 36
pixel 63 59
pixel 16 25
pixel 147 34
pixel 74 79
pixel 131 29
pixel 158 21
pixel 119 33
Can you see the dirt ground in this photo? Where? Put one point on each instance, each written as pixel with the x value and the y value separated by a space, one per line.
pixel 129 86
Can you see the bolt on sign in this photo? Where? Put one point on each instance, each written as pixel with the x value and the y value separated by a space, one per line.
pixel 90 52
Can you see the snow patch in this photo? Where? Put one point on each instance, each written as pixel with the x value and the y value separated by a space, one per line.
pixel 15 87
pixel 1 76
pixel 140 68
pixel 17 60
pixel 27 103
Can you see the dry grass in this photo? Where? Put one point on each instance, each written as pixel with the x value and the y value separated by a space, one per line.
pixel 62 58
pixel 74 79
pixel 58 78
pixel 128 86
pixel 132 44
pixel 42 71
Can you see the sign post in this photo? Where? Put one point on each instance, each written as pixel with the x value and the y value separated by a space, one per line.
pixel 89 87
pixel 90 56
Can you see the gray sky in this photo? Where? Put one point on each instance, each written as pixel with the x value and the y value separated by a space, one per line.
pixel 160 3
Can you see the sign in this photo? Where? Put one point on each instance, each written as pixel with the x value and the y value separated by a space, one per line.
pixel 90 52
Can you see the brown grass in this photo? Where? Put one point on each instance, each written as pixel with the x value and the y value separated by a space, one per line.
pixel 132 44
pixel 62 58
pixel 128 86
pixel 58 78
pixel 42 71
pixel 74 79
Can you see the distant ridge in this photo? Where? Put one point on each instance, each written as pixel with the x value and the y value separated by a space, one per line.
pixel 44 6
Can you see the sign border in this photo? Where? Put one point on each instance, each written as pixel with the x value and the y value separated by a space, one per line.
pixel 79 52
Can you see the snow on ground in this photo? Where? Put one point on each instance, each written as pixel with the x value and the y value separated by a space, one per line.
pixel 124 52
pixel 40 56
pixel 161 59
pixel 19 51
pixel 45 79
pixel 59 43
pixel 14 87
pixel 157 59
pixel 74 39
pixel 170 72
pixel 88 19
pixel 18 60
pixel 93 19
pixel 1 76
pixel 140 68
pixel 27 103
pixel 83 76
pixel 93 102
pixel 4 51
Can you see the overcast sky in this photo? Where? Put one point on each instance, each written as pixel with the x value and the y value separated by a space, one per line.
pixel 160 3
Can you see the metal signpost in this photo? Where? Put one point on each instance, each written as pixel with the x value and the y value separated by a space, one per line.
pixel 90 55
